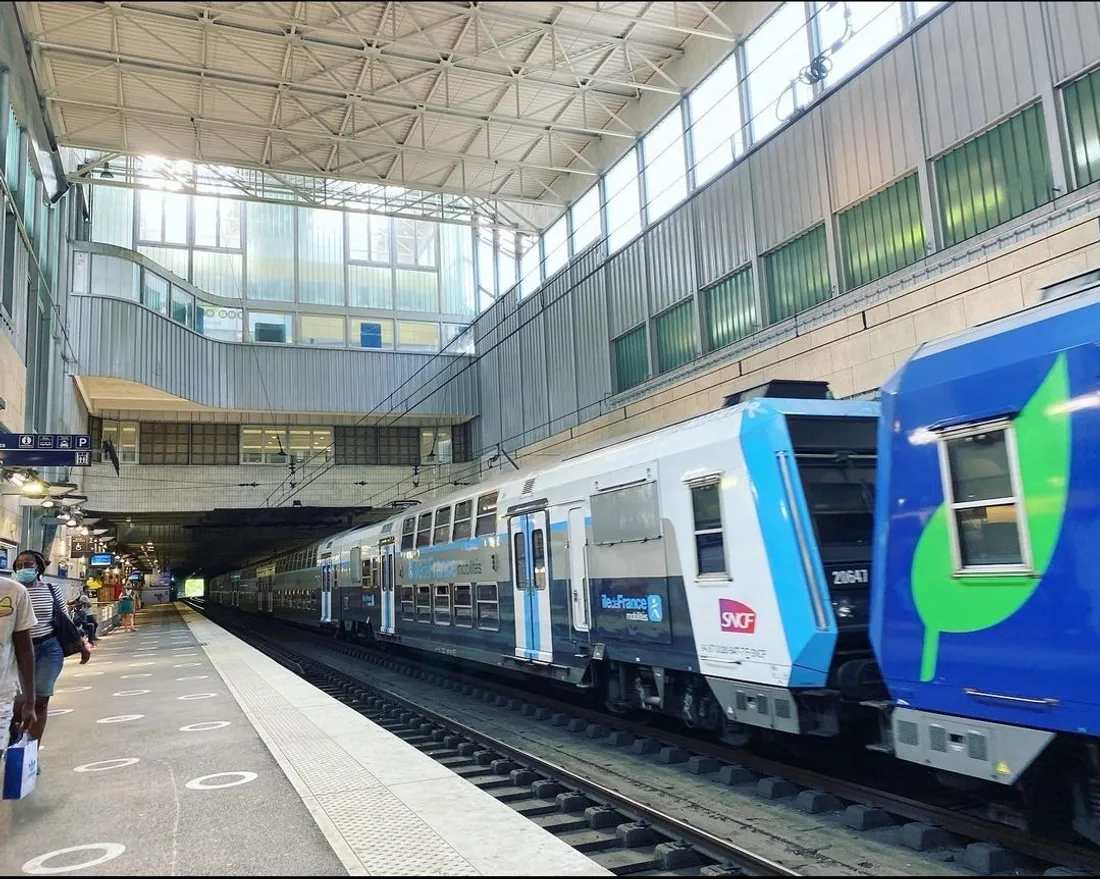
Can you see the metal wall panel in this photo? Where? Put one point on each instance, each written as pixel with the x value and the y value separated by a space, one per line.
pixel 977 62
pixel 625 274
pixel 670 260
pixel 511 388
pixel 871 132
pixel 722 214
pixel 593 354
pixel 587 262
pixel 561 375
pixel 487 426
pixel 533 397
pixel 786 182
pixel 119 339
pixel 1075 28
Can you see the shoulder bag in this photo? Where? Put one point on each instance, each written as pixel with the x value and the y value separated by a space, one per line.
pixel 64 628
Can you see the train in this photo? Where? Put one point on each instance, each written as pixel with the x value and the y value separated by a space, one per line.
pixel 914 573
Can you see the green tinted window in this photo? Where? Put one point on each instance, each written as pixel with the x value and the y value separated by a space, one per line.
pixel 797 275
pixel 882 234
pixel 631 359
pixel 995 177
pixel 1083 122
pixel 729 310
pixel 675 332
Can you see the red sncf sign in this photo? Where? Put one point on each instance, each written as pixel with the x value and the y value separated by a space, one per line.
pixel 736 617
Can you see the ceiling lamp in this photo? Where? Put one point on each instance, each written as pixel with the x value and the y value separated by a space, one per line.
pixel 16 478
pixel 34 487
pixel 62 516
pixel 71 523
pixel 48 504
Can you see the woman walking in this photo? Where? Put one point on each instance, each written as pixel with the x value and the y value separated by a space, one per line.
pixel 126 610
pixel 48 656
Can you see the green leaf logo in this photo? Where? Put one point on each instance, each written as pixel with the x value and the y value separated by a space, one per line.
pixel 947 603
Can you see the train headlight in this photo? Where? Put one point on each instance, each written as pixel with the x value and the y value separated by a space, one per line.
pixel 843 609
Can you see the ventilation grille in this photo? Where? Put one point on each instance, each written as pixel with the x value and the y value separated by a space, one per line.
pixel 907 733
pixel 782 708
pixel 937 739
pixel 977 747
pixel 742 702
pixel 761 704
pixel 529 485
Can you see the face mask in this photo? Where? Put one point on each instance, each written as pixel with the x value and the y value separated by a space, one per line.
pixel 26 575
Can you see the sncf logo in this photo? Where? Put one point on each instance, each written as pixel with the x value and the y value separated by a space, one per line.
pixel 736 617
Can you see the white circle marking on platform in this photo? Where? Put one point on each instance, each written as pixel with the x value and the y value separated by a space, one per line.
pixel 70 690
pixel 120 718
pixel 204 726
pixel 203 782
pixel 131 692
pixel 105 765
pixel 87 674
pixel 193 678
pixel 196 696
pixel 37 866
pixel 187 665
pixel 140 674
pixel 54 711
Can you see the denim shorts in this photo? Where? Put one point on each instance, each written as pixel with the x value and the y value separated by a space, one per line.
pixel 48 660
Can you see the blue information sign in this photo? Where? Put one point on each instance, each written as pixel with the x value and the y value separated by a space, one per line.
pixel 101 559
pixel 46 449
pixel 61 442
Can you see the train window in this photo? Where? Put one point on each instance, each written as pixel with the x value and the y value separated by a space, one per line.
pixel 519 557
pixel 442 532
pixel 982 484
pixel 488 611
pixel 710 551
pixel 486 515
pixel 441 604
pixel 462 521
pixel 423 604
pixel 424 530
pixel 408 528
pixel 408 612
pixel 538 557
pixel 464 605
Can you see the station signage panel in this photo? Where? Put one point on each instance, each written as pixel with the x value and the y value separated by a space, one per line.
pixel 101 559
pixel 46 449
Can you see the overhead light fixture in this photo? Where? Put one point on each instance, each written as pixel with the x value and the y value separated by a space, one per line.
pixel 71 523
pixel 83 531
pixel 16 478
pixel 63 516
pixel 34 487
pixel 106 174
pixel 48 504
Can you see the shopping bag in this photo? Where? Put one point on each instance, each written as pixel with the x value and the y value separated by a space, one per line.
pixel 20 768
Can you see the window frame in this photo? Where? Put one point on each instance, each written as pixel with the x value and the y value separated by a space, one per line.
pixel 711 479
pixel 1017 500
pixel 407 600
pixel 485 602
pixel 408 533
pixel 437 524
pixel 424 530
pixel 423 589
pixel 441 591
pixel 468 520
pixel 492 514
pixel 469 606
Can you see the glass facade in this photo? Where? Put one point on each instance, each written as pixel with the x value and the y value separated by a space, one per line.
pixel 882 234
pixel 631 359
pixel 994 177
pixel 797 275
pixel 729 310
pixel 1082 101
pixel 674 336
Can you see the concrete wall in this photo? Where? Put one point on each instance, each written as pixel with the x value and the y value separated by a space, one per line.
pixel 858 352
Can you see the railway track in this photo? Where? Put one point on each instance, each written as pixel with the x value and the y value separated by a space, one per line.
pixel 987 847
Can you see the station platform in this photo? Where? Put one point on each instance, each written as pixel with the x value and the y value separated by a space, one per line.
pixel 180 750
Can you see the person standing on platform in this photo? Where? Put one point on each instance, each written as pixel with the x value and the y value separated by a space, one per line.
pixel 48 656
pixel 16 660
pixel 126 609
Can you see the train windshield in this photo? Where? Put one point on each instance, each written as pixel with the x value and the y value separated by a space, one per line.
pixel 840 494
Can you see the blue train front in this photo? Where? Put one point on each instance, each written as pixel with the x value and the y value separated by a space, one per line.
pixel 985 616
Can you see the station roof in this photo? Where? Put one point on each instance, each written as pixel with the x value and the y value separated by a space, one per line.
pixel 499 100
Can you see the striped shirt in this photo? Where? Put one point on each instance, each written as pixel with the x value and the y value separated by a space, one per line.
pixel 42 604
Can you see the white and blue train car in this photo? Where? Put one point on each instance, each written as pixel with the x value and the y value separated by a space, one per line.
pixel 716 570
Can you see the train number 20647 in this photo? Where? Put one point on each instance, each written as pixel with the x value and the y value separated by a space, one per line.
pixel 846 578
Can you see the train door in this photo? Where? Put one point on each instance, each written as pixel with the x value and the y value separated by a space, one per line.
pixel 326 588
pixel 386 550
pixel 531 581
pixel 578 571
